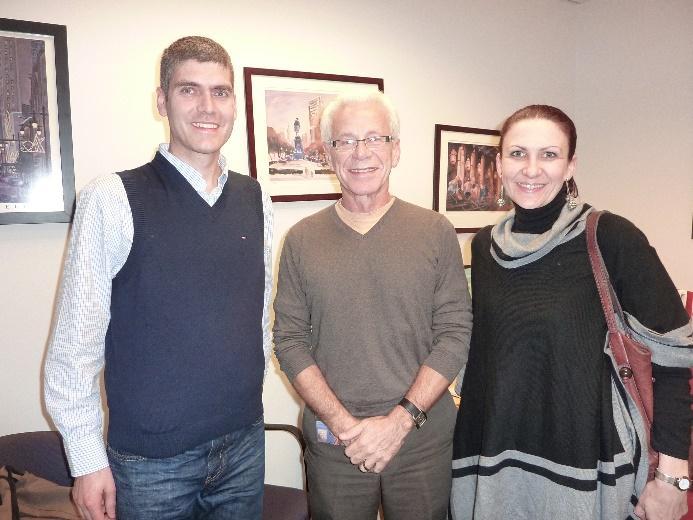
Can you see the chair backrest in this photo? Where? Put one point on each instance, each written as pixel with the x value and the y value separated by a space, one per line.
pixel 281 502
pixel 40 453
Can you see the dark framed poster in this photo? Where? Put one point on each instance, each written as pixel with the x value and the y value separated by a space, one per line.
pixel 466 185
pixel 36 166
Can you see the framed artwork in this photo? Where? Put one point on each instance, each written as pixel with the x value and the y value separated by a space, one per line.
pixel 465 182
pixel 36 167
pixel 285 147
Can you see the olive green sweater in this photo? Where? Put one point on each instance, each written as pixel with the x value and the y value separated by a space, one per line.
pixel 370 309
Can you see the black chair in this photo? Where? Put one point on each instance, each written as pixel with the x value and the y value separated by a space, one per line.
pixel 282 502
pixel 42 454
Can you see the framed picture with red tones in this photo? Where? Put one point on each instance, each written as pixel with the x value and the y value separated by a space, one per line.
pixel 285 148
pixel 466 185
pixel 36 167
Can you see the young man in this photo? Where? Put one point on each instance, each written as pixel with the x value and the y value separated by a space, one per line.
pixel 372 322
pixel 166 282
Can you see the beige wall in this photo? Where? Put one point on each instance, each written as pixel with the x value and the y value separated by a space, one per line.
pixel 468 63
pixel 634 113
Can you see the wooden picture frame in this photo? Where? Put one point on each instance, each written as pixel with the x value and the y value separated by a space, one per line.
pixel 466 189
pixel 285 150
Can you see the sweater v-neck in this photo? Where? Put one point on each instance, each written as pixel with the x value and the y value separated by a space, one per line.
pixel 190 196
pixel 347 229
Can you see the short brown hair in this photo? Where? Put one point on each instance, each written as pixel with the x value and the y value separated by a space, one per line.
pixel 196 48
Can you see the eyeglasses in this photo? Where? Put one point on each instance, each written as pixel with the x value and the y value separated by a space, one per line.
pixel 372 143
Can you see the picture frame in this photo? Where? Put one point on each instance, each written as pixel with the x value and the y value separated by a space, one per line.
pixel 466 191
pixel 285 150
pixel 37 181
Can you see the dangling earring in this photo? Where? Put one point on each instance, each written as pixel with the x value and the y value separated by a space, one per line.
pixel 501 197
pixel 571 196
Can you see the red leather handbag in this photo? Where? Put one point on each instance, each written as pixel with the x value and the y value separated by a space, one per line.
pixel 633 359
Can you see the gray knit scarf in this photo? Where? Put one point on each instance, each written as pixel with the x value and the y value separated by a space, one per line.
pixel 512 250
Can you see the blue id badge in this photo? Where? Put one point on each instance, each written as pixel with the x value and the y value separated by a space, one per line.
pixel 324 434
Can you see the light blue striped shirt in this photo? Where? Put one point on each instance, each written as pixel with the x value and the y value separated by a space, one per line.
pixel 100 243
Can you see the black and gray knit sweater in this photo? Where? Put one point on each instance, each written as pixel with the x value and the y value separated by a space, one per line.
pixel 544 429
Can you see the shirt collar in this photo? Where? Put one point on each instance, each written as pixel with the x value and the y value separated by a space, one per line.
pixel 191 174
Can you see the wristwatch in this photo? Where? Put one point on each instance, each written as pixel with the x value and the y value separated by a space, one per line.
pixel 419 416
pixel 681 483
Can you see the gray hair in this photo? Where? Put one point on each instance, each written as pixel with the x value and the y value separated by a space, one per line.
pixel 371 96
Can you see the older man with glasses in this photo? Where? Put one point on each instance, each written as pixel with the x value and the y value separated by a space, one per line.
pixel 373 320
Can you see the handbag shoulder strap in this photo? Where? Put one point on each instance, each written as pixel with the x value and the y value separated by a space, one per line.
pixel 610 303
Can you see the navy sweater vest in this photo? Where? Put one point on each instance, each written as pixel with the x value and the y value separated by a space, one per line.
pixel 184 358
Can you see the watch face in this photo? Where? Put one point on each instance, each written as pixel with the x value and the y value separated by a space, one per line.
pixel 684 484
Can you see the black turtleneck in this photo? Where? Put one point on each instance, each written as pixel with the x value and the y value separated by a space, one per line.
pixel 539 220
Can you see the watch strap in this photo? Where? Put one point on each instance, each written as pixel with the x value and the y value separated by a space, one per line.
pixel 418 415
pixel 681 483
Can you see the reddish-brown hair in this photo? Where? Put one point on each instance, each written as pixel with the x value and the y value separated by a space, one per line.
pixel 544 112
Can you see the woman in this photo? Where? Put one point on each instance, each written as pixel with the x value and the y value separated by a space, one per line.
pixel 543 431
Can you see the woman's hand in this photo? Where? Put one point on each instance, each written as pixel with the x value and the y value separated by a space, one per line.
pixel 661 501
